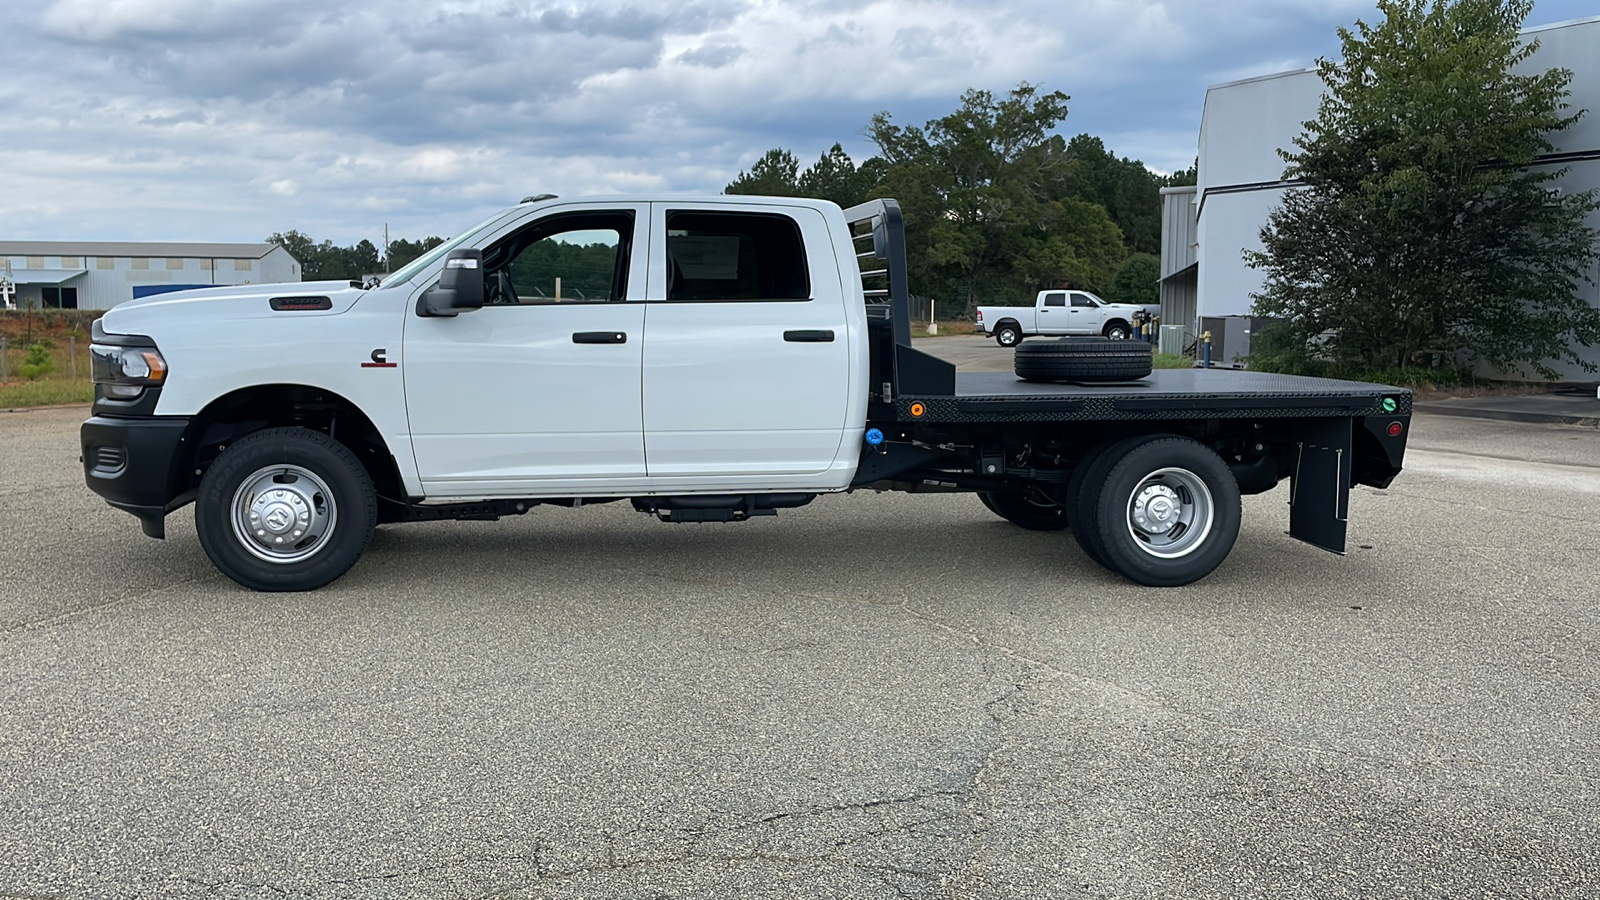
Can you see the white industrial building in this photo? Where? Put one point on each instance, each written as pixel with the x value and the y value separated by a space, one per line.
pixel 1244 125
pixel 99 275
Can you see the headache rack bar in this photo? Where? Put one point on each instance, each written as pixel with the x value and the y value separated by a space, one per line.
pixel 897 367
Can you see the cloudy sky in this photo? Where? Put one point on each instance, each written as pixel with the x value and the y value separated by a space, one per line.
pixel 227 120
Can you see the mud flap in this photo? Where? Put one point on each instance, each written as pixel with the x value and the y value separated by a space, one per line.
pixel 1319 490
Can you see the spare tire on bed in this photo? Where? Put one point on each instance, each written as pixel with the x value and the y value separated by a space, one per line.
pixel 1083 359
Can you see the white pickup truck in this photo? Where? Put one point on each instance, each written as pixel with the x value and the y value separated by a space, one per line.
pixel 1060 313
pixel 707 360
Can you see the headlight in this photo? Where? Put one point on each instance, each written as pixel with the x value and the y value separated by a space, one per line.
pixel 124 372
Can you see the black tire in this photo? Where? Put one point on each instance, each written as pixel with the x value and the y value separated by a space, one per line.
pixel 1201 513
pixel 1083 359
pixel 321 482
pixel 1083 493
pixel 1117 330
pixel 1009 334
pixel 1018 509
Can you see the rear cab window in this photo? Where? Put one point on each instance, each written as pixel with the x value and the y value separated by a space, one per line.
pixel 734 257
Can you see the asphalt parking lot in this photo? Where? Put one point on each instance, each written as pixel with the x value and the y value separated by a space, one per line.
pixel 874 696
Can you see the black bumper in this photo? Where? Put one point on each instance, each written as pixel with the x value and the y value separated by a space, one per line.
pixel 136 464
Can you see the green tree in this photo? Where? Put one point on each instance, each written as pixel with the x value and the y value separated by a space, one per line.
pixel 1130 192
pixel 1424 228
pixel 836 177
pixel 777 174
pixel 401 251
pixel 986 199
pixel 1183 177
pixel 362 259
pixel 1138 281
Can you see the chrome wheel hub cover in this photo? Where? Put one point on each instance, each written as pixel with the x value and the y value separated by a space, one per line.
pixel 283 514
pixel 1170 513
pixel 1156 509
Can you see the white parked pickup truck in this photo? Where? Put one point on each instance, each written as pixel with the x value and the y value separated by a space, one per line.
pixel 1060 313
pixel 709 359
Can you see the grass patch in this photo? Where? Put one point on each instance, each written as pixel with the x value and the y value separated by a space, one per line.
pixel 1171 361
pixel 46 392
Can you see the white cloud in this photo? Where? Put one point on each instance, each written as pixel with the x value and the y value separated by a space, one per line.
pixel 232 119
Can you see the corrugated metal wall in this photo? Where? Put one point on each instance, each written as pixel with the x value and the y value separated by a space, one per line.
pixel 108 281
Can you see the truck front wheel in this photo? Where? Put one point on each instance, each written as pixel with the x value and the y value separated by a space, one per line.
pixel 1167 513
pixel 285 509
pixel 1019 509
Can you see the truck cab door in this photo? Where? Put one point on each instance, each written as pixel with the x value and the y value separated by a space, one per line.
pixel 539 390
pixel 1054 316
pixel 1087 317
pixel 747 350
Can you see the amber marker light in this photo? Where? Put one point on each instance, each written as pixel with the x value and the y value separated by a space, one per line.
pixel 917 409
pixel 158 366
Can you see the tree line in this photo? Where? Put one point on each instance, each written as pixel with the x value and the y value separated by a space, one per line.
pixel 997 205
pixel 325 261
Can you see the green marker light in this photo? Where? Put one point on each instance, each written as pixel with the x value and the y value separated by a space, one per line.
pixel 1389 405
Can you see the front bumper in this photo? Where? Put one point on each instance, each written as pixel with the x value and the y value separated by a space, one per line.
pixel 136 464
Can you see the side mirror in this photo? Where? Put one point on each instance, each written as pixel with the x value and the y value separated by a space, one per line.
pixel 460 287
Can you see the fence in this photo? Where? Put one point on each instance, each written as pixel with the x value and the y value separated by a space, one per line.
pixel 45 345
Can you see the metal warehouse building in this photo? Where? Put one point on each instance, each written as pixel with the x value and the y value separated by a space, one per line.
pixel 1244 125
pixel 99 275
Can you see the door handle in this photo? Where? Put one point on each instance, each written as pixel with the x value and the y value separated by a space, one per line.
pixel 821 336
pixel 599 337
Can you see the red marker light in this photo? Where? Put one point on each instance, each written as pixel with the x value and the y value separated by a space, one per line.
pixel 1395 428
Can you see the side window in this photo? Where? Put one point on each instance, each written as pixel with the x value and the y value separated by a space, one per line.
pixel 715 256
pixel 1055 299
pixel 1082 301
pixel 565 258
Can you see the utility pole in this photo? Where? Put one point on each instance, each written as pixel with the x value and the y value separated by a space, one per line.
pixel 386 248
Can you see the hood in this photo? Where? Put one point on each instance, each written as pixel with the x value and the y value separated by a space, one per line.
pixel 244 301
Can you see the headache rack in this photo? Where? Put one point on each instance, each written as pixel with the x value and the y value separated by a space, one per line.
pixel 878 233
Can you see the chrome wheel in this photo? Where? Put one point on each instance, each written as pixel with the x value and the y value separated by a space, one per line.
pixel 1170 513
pixel 1008 337
pixel 283 514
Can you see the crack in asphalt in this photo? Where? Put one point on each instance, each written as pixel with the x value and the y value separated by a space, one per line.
pixel 11 628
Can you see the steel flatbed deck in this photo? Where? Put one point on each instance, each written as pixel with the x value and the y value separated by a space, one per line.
pixel 1164 394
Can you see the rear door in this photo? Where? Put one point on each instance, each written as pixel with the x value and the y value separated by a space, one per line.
pixel 746 353
pixel 1054 314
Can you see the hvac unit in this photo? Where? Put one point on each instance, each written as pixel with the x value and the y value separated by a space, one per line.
pixel 1171 340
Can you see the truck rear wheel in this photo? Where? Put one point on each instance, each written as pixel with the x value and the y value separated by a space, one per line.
pixel 285 509
pixel 1009 334
pixel 1166 512
pixel 1081 498
pixel 1083 359
pixel 1021 510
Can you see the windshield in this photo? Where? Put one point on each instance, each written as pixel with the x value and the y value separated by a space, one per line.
pixel 410 269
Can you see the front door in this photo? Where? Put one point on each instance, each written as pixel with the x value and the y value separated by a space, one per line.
pixel 746 356
pixel 1085 315
pixel 538 390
